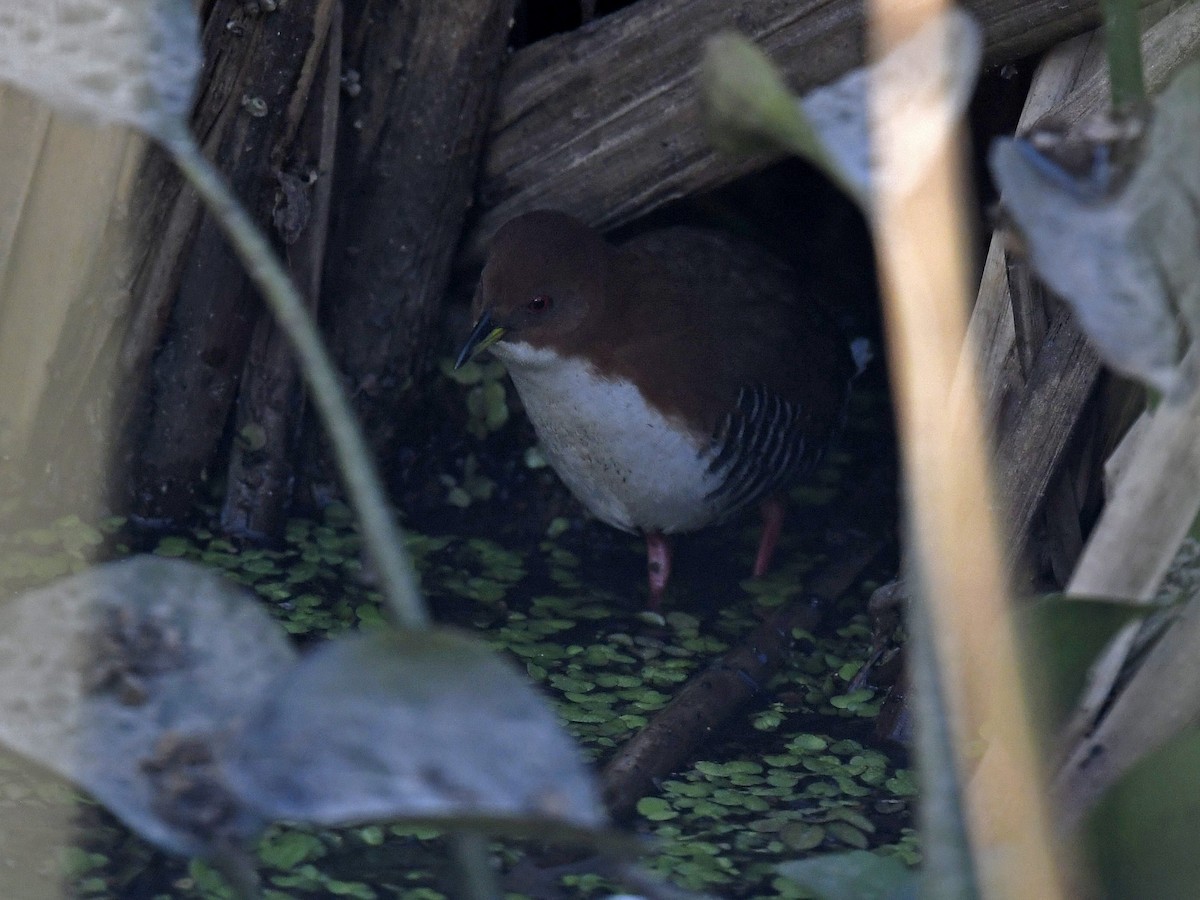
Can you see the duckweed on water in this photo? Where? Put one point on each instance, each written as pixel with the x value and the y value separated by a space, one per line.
pixel 38 555
pixel 794 775
pixel 720 823
pixel 486 397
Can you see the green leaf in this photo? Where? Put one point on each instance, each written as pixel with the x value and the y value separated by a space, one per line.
pixel 855 875
pixel 747 106
pixel 852 700
pixel 812 743
pixel 1142 834
pixel 1062 637
pixel 1122 40
pixel 748 109
pixel 288 849
pixel 172 545
pixel 208 880
pixel 802 836
pixel 848 834
pixel 656 809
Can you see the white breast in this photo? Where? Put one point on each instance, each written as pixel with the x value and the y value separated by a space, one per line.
pixel 630 465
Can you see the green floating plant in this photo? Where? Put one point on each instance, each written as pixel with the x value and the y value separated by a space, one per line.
pixel 487 397
pixel 854 875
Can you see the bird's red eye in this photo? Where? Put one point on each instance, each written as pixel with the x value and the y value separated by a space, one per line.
pixel 540 303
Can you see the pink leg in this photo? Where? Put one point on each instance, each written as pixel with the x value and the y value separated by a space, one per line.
pixel 658 566
pixel 772 513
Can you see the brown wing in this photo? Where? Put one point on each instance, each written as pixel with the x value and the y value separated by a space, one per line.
pixel 763 331
pixel 773 369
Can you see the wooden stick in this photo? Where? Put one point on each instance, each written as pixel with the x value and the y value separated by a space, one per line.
pixel 1153 505
pixel 258 492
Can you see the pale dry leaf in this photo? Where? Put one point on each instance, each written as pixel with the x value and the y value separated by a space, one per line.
pixel 109 676
pixel 128 61
pixel 924 84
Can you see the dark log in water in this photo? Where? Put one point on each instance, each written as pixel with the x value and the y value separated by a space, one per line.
pixel 267 431
pixel 604 122
pixel 710 698
pixel 427 77
pixel 258 75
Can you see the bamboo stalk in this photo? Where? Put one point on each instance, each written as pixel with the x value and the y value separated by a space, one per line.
pixel 921 241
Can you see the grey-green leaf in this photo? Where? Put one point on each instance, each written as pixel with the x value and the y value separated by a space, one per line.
pixel 409 724
pixel 925 84
pixel 854 875
pixel 128 61
pixel 123 679
pixel 1125 261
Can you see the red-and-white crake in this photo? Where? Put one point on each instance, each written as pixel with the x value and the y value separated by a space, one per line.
pixel 672 380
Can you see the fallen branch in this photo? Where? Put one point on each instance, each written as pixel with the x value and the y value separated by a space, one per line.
pixel 718 692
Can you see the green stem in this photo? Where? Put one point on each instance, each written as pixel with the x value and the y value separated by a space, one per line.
pixel 1122 40
pixel 948 870
pixel 381 534
pixel 475 876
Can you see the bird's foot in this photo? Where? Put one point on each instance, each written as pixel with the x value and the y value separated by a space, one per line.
pixel 772 513
pixel 658 567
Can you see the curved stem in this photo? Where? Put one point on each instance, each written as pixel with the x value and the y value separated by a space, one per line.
pixel 1122 40
pixel 381 534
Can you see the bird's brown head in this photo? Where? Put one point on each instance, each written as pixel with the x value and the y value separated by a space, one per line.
pixel 544 281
